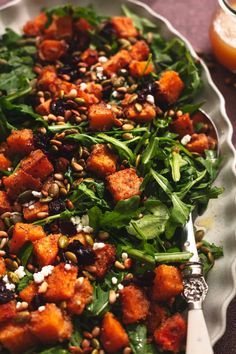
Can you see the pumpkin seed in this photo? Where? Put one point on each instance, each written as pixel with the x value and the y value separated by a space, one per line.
pixel 12 265
pixel 88 275
pixel 71 257
pixel 89 240
pixel 80 101
pixel 132 98
pixel 63 191
pixel 16 217
pixel 13 277
pixel 118 81
pixel 137 161
pixel 199 234
pixel 95 343
pixel 63 242
pixel 22 317
pixel 127 136
pixel 95 351
pixel 53 190
pixel 132 88
pixel 25 197
pixel 127 126
pixel 7 222
pixel 103 235
pixel 211 257
pixel 7 214
pixel 138 107
pixel 119 265
pixel 124 43
pixel 45 200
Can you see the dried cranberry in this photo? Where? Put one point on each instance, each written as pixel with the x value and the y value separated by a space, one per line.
pixel 56 206
pixel 149 89
pixel 42 141
pixel 145 279
pixel 38 301
pixel 108 31
pixel 68 149
pixel 5 294
pixel 66 227
pixel 58 107
pixel 85 256
pixel 71 70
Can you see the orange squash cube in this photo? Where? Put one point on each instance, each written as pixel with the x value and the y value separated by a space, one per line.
pixel 17 338
pixel 37 165
pixel 157 314
pixel 105 258
pixel 19 182
pixel 102 161
pixel 118 61
pixel 47 77
pixel 199 143
pixel 34 27
pixel 140 68
pixel 30 212
pixel 89 56
pixel 4 202
pixel 51 49
pixel 29 292
pixel 124 184
pixel 94 89
pixel 50 325
pixel 167 283
pixel 44 108
pixel 89 98
pixel 5 163
pixel 81 298
pixel 124 27
pixel 23 233
pixel 60 27
pixel 134 304
pixel 2 267
pixel 170 87
pixel 21 142
pixel 46 249
pixel 7 311
pixel 139 51
pixel 100 117
pixel 113 336
pixel 147 114
pixel 182 125
pixel 59 290
pixel 171 335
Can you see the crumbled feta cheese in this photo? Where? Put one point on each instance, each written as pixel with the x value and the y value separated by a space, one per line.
pixel 38 278
pixel 20 272
pixel 124 256
pixel 79 281
pixel 18 305
pixel 5 279
pixel 99 69
pixel 21 305
pixel 114 280
pixel 88 229
pixel 79 227
pixel 83 86
pixel 75 220
pixel 37 194
pixel 10 286
pixel 9 169
pixel 186 139
pixel 102 59
pixel 98 245
pixel 150 99
pixel 120 286
pixel 47 270
pixel 67 266
pixel 109 106
pixel 114 94
pixel 31 207
pixel 41 308
pixel 85 220
pixel 27 205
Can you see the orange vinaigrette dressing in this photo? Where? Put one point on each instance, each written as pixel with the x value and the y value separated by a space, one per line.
pixel 223 37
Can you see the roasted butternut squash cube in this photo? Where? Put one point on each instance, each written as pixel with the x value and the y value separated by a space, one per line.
pixel 169 87
pixel 59 290
pixel 34 27
pixel 199 143
pixel 167 283
pixel 156 316
pixel 47 77
pixel 7 311
pixel 23 233
pixel 89 56
pixel 16 337
pixel 118 61
pixel 21 142
pixel 124 184
pixel 124 27
pixel 134 304
pixel 2 267
pixel 81 298
pixel 4 202
pixel 46 249
pixel 89 98
pixel 105 257
pixel 29 292
pixel 147 114
pixel 19 182
pixel 182 125
pixel 139 51
pixel 171 335
pixel 102 161
pixel 82 25
pixel 80 237
pixel 113 336
pixel 30 212
pixel 100 117
pixel 44 108
pixel 50 325
pixel 94 89
pixel 51 49
pixel 60 27
pixel 140 68
pixel 5 163
pixel 37 165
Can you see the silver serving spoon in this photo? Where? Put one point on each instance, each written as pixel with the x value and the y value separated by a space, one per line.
pixel 195 287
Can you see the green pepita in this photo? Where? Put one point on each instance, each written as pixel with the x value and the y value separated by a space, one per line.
pixel 63 242
pixel 71 257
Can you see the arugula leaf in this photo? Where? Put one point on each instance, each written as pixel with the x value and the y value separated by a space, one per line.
pixel 55 350
pixel 123 150
pixel 180 211
pixel 176 162
pixel 86 140
pixel 76 337
pixel 138 340
pixel 25 281
pixel 25 253
pixel 141 23
pixel 100 302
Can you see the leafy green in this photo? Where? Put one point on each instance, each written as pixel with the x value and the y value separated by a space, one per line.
pixel 25 281
pixel 122 149
pixel 141 23
pixel 100 302
pixel 54 350
pixel 138 340
pixel 176 162
pixel 25 253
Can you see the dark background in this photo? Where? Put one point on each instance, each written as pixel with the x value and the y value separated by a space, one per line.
pixel 192 19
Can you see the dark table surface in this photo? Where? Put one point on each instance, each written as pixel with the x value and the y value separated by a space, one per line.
pixel 192 18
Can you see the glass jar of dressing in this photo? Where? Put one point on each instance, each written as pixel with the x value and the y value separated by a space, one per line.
pixel 223 34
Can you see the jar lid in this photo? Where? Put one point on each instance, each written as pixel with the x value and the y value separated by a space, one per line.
pixel 228 6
